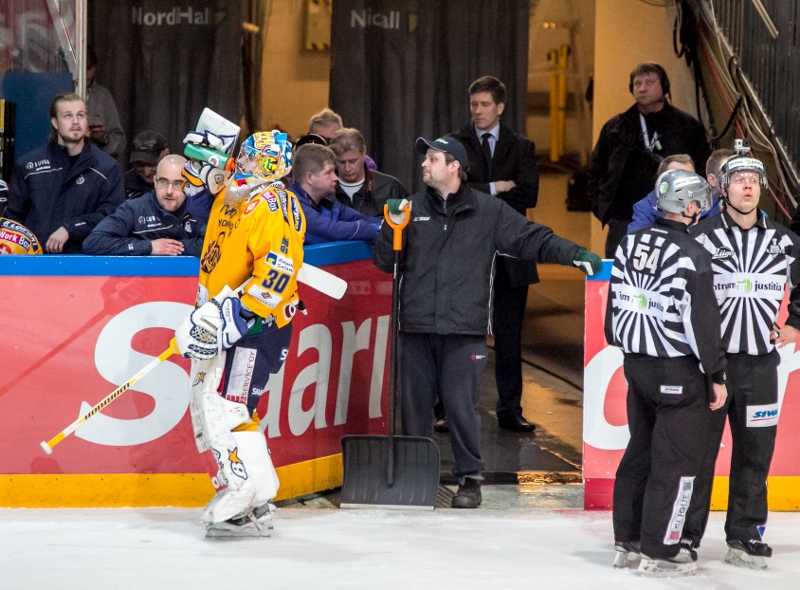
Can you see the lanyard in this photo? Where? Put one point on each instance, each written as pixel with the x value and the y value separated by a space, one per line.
pixel 648 143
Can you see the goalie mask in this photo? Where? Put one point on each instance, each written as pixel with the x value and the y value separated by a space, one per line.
pixel 267 155
pixel 675 189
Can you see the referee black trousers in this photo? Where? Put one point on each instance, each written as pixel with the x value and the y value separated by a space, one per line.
pixel 507 317
pixel 668 418
pixel 451 367
pixel 752 410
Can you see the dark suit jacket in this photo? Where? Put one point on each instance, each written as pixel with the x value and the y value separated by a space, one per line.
pixel 514 159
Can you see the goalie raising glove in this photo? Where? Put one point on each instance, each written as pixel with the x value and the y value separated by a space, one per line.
pixel 214 326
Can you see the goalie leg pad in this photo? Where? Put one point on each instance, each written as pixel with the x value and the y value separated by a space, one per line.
pixel 213 419
pixel 253 452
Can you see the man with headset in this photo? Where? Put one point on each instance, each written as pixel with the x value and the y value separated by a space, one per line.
pixel 631 146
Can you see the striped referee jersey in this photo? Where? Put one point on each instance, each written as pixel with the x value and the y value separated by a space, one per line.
pixel 661 300
pixel 751 270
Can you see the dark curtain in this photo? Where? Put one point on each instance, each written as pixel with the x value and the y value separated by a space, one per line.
pixel 401 69
pixel 252 52
pixel 164 61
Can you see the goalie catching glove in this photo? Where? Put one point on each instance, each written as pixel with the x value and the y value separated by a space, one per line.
pixel 588 262
pixel 213 327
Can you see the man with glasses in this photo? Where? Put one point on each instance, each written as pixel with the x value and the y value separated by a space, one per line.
pixel 62 190
pixel 157 223
pixel 754 260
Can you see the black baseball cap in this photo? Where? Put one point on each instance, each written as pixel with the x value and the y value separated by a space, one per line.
pixel 447 144
pixel 147 146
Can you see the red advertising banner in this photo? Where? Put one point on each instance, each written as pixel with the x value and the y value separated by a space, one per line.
pixel 605 423
pixel 68 341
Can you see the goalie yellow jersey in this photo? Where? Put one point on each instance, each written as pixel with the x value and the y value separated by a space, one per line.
pixel 256 248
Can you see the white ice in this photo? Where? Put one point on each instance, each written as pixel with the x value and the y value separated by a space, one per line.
pixel 534 544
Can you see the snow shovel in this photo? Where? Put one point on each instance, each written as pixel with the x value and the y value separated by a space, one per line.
pixel 400 472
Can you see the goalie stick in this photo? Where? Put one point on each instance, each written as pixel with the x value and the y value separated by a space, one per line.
pixel 322 281
pixel 314 277
pixel 47 447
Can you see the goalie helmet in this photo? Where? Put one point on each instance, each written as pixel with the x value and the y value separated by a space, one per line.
pixel 741 163
pixel 266 154
pixel 675 189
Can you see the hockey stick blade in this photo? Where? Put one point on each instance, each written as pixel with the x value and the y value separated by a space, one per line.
pixel 322 281
pixel 47 447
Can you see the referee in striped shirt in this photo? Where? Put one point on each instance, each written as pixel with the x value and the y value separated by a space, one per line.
pixel 663 315
pixel 754 260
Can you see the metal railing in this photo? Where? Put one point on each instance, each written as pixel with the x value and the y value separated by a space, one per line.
pixel 763 35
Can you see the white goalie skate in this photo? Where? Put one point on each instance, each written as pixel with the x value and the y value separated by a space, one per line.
pixel 251 524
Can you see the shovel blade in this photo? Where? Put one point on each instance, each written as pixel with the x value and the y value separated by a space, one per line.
pixel 366 462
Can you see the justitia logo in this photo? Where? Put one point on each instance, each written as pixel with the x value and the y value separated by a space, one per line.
pixel 746 285
pixel 642 301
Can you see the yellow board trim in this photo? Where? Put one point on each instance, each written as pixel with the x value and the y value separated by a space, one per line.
pixel 784 493
pixel 136 490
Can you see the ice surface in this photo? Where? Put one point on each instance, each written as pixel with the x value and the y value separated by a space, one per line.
pixel 531 547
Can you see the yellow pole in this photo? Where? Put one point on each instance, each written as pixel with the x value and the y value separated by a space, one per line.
pixel 552 57
pixel 563 58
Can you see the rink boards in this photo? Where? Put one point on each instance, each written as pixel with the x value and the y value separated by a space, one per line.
pixel 605 428
pixel 74 328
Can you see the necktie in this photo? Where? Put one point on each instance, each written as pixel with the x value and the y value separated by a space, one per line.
pixel 486 150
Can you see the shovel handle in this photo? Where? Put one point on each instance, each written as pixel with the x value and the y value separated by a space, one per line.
pixel 397 228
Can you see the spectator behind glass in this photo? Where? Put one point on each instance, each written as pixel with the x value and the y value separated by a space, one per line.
pixel 105 130
pixel 363 189
pixel 149 148
pixel 327 220
pixel 326 123
pixel 62 190
pixel 155 224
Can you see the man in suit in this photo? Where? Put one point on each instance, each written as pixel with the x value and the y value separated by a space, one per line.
pixel 503 164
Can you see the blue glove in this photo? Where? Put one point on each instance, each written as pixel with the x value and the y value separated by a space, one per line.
pixel 236 321
pixel 588 262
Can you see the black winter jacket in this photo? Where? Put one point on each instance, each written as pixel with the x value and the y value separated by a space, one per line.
pixel 622 171
pixel 130 230
pixel 373 194
pixel 448 258
pixel 48 193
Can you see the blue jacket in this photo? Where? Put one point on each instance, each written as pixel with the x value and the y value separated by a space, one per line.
pixel 331 221
pixel 645 212
pixel 130 230
pixel 49 192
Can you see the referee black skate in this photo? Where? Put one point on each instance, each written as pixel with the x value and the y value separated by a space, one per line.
pixel 663 315
pixel 753 259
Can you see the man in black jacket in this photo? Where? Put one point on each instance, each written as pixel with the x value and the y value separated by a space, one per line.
pixel 61 191
pixel 157 223
pixel 358 187
pixel 503 164
pixel 448 261
pixel 631 146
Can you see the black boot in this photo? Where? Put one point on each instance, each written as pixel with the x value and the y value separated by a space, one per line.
pixel 468 494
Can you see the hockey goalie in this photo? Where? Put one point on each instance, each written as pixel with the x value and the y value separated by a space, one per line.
pixel 240 331
pixel 14 237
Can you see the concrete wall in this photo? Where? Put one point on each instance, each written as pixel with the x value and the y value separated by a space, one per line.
pixel 295 81
pixel 628 32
